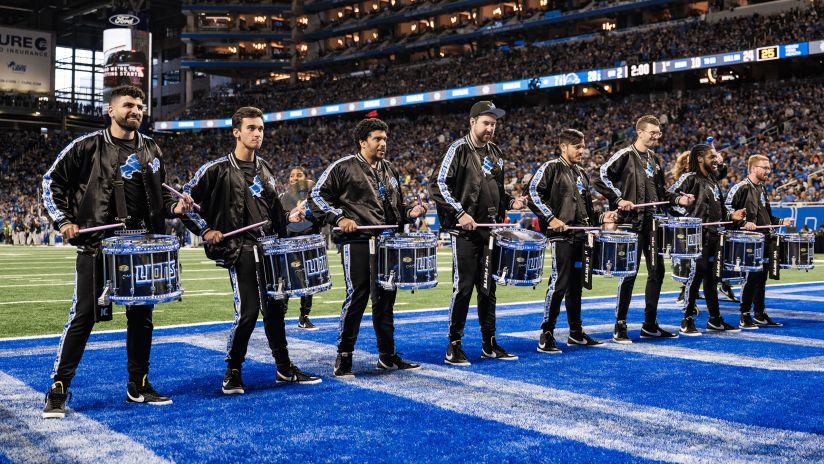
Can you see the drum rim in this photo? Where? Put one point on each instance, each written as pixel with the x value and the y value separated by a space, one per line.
pixel 682 221
pixel 155 299
pixel 615 236
pixel 272 245
pixel 410 240
pixel 302 291
pixel 738 235
pixel 112 246
pixel 801 236
pixel 519 244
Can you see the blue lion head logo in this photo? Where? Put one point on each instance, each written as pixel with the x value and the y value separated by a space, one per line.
pixel 131 166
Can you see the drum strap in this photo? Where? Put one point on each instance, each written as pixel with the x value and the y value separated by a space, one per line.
pixel 586 276
pixel 120 197
pixel 486 283
pixel 102 309
pixel 373 271
pixel 775 252
pixel 719 257
pixel 653 245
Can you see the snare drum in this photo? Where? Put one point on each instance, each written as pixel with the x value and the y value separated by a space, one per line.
pixel 141 269
pixel 679 237
pixel 408 261
pixel 295 266
pixel 744 251
pixel 614 254
pixel 681 271
pixel 796 250
pixel 520 257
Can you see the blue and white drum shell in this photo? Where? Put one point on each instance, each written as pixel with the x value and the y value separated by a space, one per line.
pixel 407 261
pixel 797 250
pixel 141 269
pixel 744 251
pixel 518 257
pixel 681 268
pixel 295 266
pixel 679 237
pixel 614 253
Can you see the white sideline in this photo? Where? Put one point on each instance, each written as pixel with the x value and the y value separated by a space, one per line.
pixel 645 431
pixel 29 438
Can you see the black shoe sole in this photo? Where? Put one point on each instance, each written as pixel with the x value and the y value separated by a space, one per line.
pixel 53 415
pixel 508 358
pixel 457 363
pixel 539 350
pixel 622 341
pixel 234 391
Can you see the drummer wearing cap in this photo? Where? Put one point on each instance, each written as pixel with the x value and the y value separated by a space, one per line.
pixel 364 190
pixel 468 186
pixel 751 195
pixel 559 194
pixel 235 191
pixel 108 176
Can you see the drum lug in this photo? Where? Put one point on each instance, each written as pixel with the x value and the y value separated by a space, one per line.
pixel 667 252
pixel 608 268
pixel 104 297
pixel 502 278
pixel 390 283
pixel 737 267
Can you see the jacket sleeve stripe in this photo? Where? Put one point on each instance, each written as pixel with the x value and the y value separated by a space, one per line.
pixel 679 182
pixel 187 189
pixel 533 192
pixel 316 196
pixel 48 198
pixel 603 172
pixel 731 194
pixel 444 170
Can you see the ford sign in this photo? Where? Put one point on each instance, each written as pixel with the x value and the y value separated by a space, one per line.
pixel 124 20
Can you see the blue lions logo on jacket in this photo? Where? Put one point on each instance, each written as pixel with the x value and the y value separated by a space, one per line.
pixel 132 166
pixel 256 187
pixel 580 184
pixel 155 165
pixel 763 199
pixel 716 193
pixel 487 166
pixel 650 169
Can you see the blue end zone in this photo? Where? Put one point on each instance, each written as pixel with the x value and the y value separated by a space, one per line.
pixel 759 390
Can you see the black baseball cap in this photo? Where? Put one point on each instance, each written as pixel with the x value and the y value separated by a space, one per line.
pixel 485 107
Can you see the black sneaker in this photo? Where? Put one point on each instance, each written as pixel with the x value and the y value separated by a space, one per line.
pixel 455 354
pixel 143 392
pixel 393 361
pixel 728 292
pixel 546 344
pixel 746 322
pixel 656 332
pixel 306 324
pixel 343 365
pixel 762 320
pixel 493 350
pixel 619 335
pixel 718 324
pixel 233 383
pixel 582 339
pixel 292 374
pixel 688 327
pixel 680 299
pixel 56 397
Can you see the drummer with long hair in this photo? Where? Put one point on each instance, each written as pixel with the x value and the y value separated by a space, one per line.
pixel 236 191
pixel 559 194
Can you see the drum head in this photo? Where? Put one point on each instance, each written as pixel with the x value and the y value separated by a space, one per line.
pixel 522 235
pixel 134 244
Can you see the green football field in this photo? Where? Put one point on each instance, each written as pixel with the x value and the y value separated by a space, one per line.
pixel 36 285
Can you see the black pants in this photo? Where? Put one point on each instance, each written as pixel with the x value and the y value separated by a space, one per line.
pixel 755 287
pixel 703 271
pixel 305 305
pixel 467 273
pixel 87 288
pixel 655 278
pixel 249 286
pixel 564 284
pixel 359 285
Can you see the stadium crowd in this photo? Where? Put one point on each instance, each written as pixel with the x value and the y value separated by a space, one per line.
pixel 681 39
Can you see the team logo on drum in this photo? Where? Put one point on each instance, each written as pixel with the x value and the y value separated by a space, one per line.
pixel 256 187
pixel 519 259
pixel 148 273
pixel 132 166
pixel 123 268
pixel 316 266
pixel 407 259
pixel 296 264
pixel 622 253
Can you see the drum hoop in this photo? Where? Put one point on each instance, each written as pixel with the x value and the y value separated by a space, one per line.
pixel 616 237
pixel 146 300
pixel 410 240
pixel 682 222
pixel 796 237
pixel 273 245
pixel 744 237
pixel 304 291
pixel 125 245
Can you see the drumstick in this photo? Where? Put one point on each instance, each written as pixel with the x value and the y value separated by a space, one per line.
pixel 769 227
pixel 493 224
pixel 654 203
pixel 95 229
pixel 179 195
pixel 385 226
pixel 715 223
pixel 582 228
pixel 244 229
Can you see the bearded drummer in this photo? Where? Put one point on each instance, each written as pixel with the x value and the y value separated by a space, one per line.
pixel 364 190
pixel 467 185
pixel 234 192
pixel 110 176
pixel 559 195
